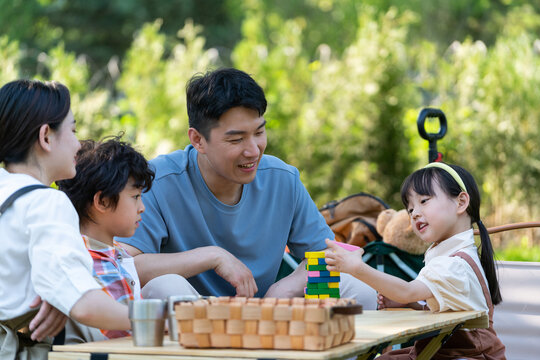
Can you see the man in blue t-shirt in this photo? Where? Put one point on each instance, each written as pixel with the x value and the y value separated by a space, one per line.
pixel 220 212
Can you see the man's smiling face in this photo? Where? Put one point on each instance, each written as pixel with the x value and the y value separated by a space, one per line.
pixel 235 147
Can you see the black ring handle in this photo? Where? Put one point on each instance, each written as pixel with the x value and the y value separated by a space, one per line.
pixel 431 113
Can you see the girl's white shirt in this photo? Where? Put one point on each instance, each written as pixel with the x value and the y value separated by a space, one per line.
pixel 41 251
pixel 450 278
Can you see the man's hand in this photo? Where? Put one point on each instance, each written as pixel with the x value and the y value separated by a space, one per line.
pixel 236 273
pixel 49 321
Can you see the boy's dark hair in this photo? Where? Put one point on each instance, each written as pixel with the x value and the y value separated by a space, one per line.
pixel 105 166
pixel 210 95
pixel 421 182
pixel 26 105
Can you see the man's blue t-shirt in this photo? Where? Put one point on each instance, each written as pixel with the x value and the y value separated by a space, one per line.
pixel 275 210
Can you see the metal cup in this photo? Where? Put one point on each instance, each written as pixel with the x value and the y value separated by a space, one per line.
pixel 171 302
pixel 147 318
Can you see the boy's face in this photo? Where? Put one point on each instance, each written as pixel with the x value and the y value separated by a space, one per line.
pixel 234 148
pixel 125 218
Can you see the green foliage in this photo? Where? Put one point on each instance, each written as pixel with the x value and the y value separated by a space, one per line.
pixel 345 81
pixel 519 252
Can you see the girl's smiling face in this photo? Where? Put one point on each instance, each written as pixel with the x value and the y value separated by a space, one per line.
pixel 433 217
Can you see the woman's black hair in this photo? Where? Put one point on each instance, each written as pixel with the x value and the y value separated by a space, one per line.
pixel 105 166
pixel 26 105
pixel 421 182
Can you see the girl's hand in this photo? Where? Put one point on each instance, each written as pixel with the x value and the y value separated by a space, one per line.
pixel 339 259
pixel 385 303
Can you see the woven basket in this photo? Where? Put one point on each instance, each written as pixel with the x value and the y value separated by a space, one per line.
pixel 269 323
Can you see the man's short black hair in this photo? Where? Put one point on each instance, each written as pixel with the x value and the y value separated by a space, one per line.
pixel 105 166
pixel 210 95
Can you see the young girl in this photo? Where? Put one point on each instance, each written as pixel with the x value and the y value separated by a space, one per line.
pixel 42 254
pixel 443 202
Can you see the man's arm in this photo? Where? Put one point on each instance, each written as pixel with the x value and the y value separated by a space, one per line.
pixel 193 262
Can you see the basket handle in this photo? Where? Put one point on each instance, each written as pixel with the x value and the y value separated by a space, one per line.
pixel 514 226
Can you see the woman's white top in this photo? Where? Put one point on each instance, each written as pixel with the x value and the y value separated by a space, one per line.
pixel 41 249
pixel 450 278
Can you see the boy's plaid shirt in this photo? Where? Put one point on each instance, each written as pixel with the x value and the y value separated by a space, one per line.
pixel 111 275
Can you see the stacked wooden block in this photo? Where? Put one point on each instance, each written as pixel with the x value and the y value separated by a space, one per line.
pixel 321 283
pixel 269 323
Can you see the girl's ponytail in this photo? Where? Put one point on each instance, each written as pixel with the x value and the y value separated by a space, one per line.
pixel 486 259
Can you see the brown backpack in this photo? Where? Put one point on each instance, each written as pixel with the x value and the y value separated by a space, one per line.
pixel 353 219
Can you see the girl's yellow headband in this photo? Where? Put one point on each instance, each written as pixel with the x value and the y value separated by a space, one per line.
pixel 449 170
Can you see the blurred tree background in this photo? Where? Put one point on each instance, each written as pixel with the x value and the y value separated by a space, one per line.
pixel 345 81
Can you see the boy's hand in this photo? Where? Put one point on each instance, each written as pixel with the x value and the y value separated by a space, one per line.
pixel 49 321
pixel 236 273
pixel 339 259
pixel 385 303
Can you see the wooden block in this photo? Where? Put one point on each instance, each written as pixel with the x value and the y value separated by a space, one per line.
pixel 297 327
pixel 185 326
pixel 333 285
pixel 267 311
pixel 282 327
pixel 218 311
pixel 323 273
pixel 250 341
pixel 314 343
pixel 235 310
pixel 234 327
pixel 236 341
pixel 316 261
pixel 326 291
pixel 282 342
pixel 282 313
pixel 298 312
pixel 297 342
pixel 317 314
pixel 285 301
pixel 326 279
pixel 267 327
pixel 330 302
pixel 224 299
pixel 324 296
pixel 314 254
pixel 251 311
pixel 218 327
pixel 184 311
pixel 251 327
pixel 220 340
pixel 311 296
pixel 316 267
pixel 313 285
pixel 188 340
pixel 202 326
pixel 267 341
pixel 253 300
pixel 203 340
pixel 316 329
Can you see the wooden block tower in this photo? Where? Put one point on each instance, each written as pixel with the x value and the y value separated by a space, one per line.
pixel 321 283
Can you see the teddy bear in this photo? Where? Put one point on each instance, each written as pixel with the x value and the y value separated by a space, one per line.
pixel 395 228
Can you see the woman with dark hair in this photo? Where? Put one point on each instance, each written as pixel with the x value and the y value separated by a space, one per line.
pixel 42 252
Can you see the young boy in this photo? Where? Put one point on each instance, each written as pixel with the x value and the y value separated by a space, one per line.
pixel 106 192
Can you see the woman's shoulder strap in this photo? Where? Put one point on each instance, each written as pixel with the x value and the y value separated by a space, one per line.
pixel 18 194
